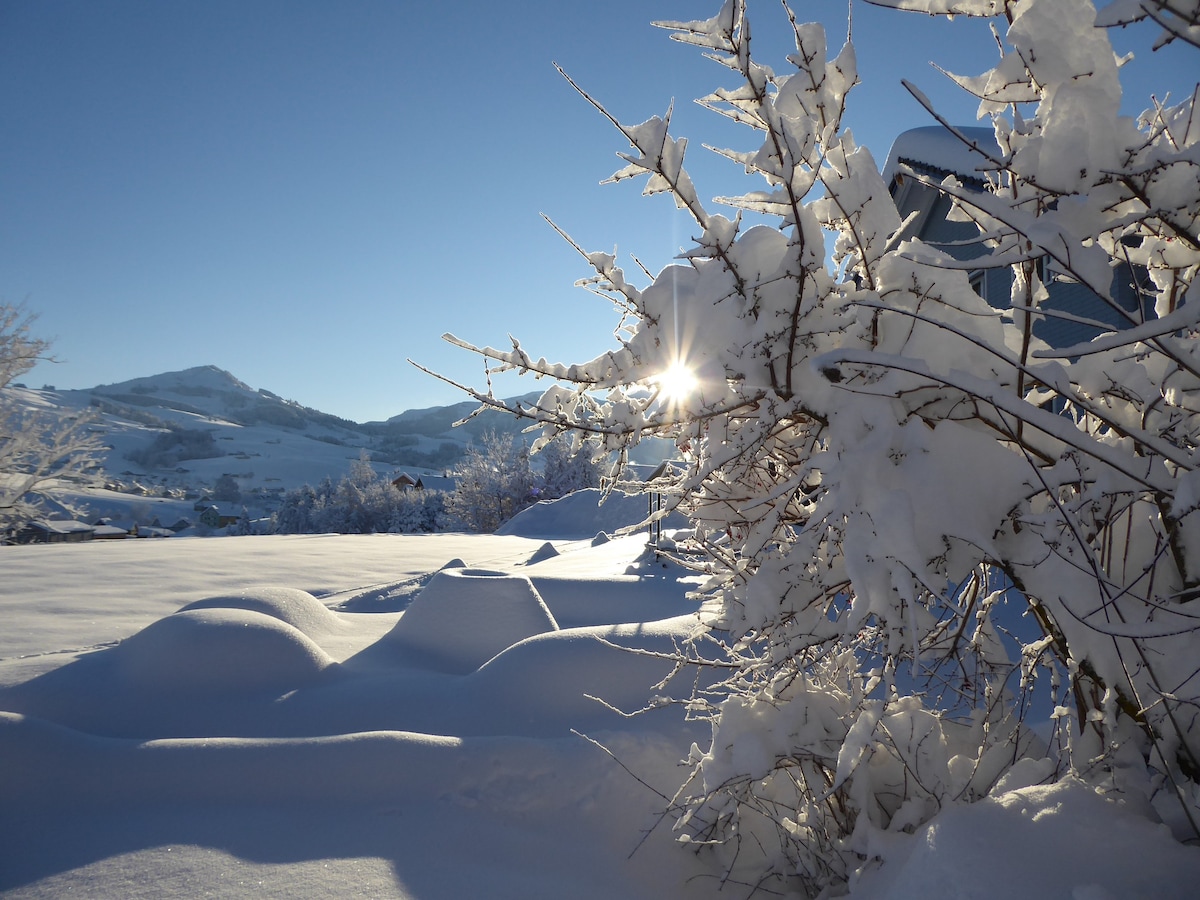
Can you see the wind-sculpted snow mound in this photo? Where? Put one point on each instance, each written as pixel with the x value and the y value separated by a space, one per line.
pixel 1053 840
pixel 582 515
pixel 596 670
pixel 544 552
pixel 464 617
pixel 205 650
pixel 299 609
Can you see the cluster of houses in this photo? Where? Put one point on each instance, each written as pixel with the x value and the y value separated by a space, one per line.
pixel 71 531
pixel 208 513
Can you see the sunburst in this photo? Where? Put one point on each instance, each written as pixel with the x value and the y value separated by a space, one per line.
pixel 677 382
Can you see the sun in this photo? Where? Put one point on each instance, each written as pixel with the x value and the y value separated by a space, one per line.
pixel 677 382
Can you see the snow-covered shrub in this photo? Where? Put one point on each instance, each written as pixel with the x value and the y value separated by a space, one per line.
pixel 889 477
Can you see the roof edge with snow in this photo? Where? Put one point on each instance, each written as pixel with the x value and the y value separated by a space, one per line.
pixel 936 151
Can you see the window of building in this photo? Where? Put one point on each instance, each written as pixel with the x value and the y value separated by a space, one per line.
pixel 979 283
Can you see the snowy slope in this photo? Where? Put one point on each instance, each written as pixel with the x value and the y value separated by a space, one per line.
pixel 583 514
pixel 243 745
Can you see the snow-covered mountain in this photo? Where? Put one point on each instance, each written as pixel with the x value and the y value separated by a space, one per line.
pixel 172 436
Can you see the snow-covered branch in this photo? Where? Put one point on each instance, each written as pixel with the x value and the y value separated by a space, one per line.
pixel 885 472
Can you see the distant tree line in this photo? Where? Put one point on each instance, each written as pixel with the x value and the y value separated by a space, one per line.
pixel 495 481
pixel 173 446
pixel 360 503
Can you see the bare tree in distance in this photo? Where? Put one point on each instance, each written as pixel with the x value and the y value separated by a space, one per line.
pixel 39 450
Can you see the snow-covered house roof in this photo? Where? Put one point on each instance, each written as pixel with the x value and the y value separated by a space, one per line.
pixel 149 531
pixel 55 531
pixel 64 526
pixel 934 150
pixel 108 531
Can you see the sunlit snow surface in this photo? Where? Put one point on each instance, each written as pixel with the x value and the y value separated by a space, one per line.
pixel 255 717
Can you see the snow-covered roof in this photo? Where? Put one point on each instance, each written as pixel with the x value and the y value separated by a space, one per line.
pixel 935 148
pixel 61 526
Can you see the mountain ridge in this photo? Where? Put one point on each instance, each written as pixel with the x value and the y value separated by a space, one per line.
pixel 178 434
pixel 168 388
pixel 183 438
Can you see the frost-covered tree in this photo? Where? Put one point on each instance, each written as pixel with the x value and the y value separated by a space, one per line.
pixel 295 512
pixel 37 449
pixel 568 467
pixel 493 482
pixel 416 512
pixel 361 502
pixel 925 528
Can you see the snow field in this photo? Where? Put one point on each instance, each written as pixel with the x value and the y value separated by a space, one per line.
pixel 267 699
pixel 231 739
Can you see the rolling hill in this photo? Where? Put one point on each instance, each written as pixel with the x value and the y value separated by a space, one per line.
pixel 172 436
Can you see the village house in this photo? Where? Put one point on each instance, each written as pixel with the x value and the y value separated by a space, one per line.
pixel 1072 314
pixel 104 529
pixel 404 482
pixel 54 531
pixel 212 516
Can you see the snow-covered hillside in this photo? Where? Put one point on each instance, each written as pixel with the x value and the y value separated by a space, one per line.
pixel 172 436
pixel 173 439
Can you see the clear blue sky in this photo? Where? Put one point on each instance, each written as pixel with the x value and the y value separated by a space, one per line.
pixel 307 193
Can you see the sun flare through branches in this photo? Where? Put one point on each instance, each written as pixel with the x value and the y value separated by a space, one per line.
pixel 677 383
